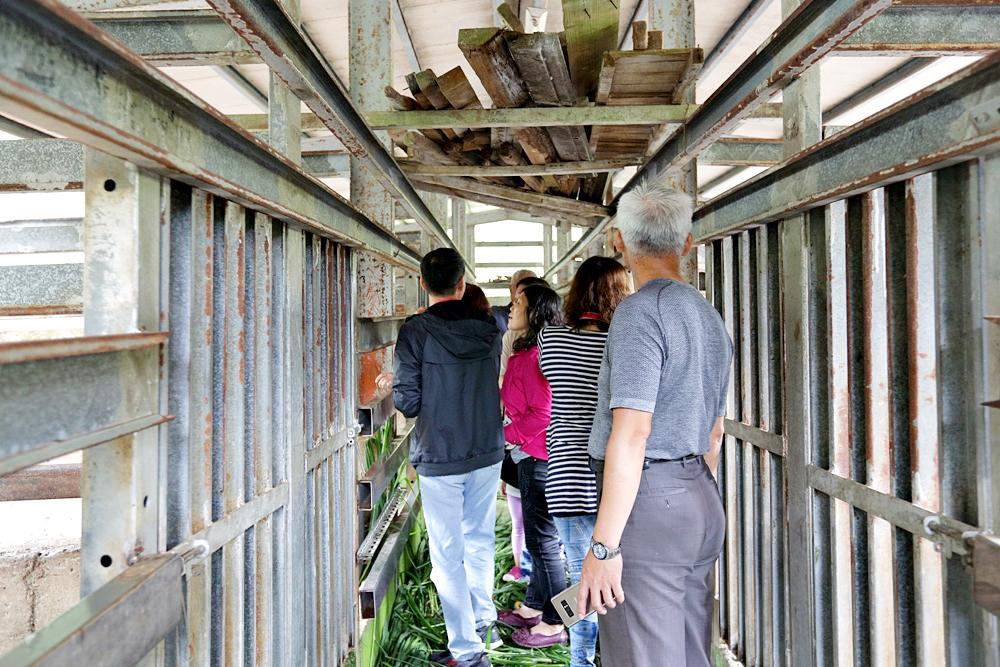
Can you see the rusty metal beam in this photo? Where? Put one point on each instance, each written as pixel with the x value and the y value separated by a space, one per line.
pixel 178 37
pixel 804 38
pixel 928 31
pixel 61 73
pixel 42 482
pixel 283 47
pixel 930 129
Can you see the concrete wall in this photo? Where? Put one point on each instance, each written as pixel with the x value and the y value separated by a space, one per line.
pixel 39 565
pixel 36 587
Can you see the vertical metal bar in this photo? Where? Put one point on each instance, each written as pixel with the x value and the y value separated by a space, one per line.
pixel 200 426
pixel 284 126
pixel 883 602
pixel 733 558
pixel 765 419
pixel 280 465
pixel 748 391
pixel 926 489
pixel 959 323
pixel 233 448
pixel 263 435
pixel 121 294
pixel 988 366
pixel 797 349
pixel 840 440
pixel 296 585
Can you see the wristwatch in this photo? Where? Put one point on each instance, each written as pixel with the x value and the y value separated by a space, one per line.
pixel 602 552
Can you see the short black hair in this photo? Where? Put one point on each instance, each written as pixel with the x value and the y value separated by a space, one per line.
pixel 530 280
pixel 441 270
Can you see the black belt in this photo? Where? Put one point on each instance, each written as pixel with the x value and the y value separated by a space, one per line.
pixel 597 465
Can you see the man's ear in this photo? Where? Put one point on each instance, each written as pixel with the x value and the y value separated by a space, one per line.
pixel 688 244
pixel 423 284
pixel 460 288
pixel 618 242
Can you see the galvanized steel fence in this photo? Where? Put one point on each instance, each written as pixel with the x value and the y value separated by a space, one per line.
pixel 860 461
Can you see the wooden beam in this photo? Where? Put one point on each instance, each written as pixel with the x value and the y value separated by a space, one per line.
pixel 639 36
pixel 654 114
pixel 477 195
pixel 572 207
pixel 591 30
pixel 539 58
pixel 487 52
pixel 509 15
pixel 556 168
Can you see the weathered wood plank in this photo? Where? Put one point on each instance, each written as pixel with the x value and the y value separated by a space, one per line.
pixel 539 58
pixel 509 15
pixel 487 52
pixel 456 88
pixel 512 166
pixel 639 36
pixel 591 29
pixel 429 86
pixel 512 156
pixel 654 39
pixel 572 206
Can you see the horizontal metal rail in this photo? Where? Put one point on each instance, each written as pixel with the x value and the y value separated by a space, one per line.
pixel 375 334
pixel 285 49
pixel 61 72
pixel 118 624
pixel 42 482
pixel 772 442
pixel 377 479
pixel 78 392
pixel 383 571
pixel 952 120
pixel 813 31
pixel 900 513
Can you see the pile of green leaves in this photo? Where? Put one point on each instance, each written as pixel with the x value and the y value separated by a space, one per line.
pixel 416 626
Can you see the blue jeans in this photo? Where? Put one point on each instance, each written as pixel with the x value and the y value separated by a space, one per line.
pixel 575 533
pixel 460 512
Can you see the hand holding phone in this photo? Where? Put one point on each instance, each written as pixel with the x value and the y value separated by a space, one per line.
pixel 565 604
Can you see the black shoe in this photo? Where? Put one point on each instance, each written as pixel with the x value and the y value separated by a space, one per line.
pixel 442 657
pixel 490 631
pixel 481 660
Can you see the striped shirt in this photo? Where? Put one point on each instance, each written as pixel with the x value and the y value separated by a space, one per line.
pixel 571 361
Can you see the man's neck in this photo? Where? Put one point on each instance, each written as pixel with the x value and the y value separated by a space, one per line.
pixel 646 268
pixel 435 299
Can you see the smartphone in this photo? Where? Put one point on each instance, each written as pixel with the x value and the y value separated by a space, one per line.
pixel 565 604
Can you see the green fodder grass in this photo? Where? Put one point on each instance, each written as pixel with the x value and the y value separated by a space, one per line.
pixel 416 626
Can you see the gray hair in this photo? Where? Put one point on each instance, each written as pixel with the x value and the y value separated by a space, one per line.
pixel 521 275
pixel 654 219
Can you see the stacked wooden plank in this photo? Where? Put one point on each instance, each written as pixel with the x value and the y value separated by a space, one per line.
pixel 541 69
pixel 641 76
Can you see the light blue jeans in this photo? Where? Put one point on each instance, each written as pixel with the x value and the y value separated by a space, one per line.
pixel 460 512
pixel 575 533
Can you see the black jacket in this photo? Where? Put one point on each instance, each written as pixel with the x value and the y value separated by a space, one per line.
pixel 501 315
pixel 447 363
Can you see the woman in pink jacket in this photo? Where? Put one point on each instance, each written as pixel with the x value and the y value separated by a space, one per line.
pixel 527 400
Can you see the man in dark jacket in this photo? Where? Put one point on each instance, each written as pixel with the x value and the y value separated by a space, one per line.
pixel 447 362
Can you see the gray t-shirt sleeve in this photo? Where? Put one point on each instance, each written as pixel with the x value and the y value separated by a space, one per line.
pixel 636 356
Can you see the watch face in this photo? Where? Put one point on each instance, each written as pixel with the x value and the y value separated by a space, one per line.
pixel 600 551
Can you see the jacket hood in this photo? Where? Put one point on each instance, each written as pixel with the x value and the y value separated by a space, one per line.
pixel 464 339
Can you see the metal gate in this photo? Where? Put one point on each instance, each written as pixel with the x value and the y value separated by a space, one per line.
pixel 861 464
pixel 213 392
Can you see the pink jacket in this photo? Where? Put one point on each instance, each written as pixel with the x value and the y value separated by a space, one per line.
pixel 527 399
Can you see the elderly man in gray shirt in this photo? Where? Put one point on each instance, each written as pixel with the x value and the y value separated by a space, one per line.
pixel 655 447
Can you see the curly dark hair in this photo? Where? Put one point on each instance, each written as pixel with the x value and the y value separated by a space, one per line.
pixel 544 309
pixel 600 284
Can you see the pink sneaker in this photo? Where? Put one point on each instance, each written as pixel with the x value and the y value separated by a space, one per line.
pixel 514 574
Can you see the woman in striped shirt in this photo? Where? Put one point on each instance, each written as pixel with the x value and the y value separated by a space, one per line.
pixel 570 356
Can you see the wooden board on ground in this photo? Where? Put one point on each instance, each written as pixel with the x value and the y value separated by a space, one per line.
pixel 638 77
